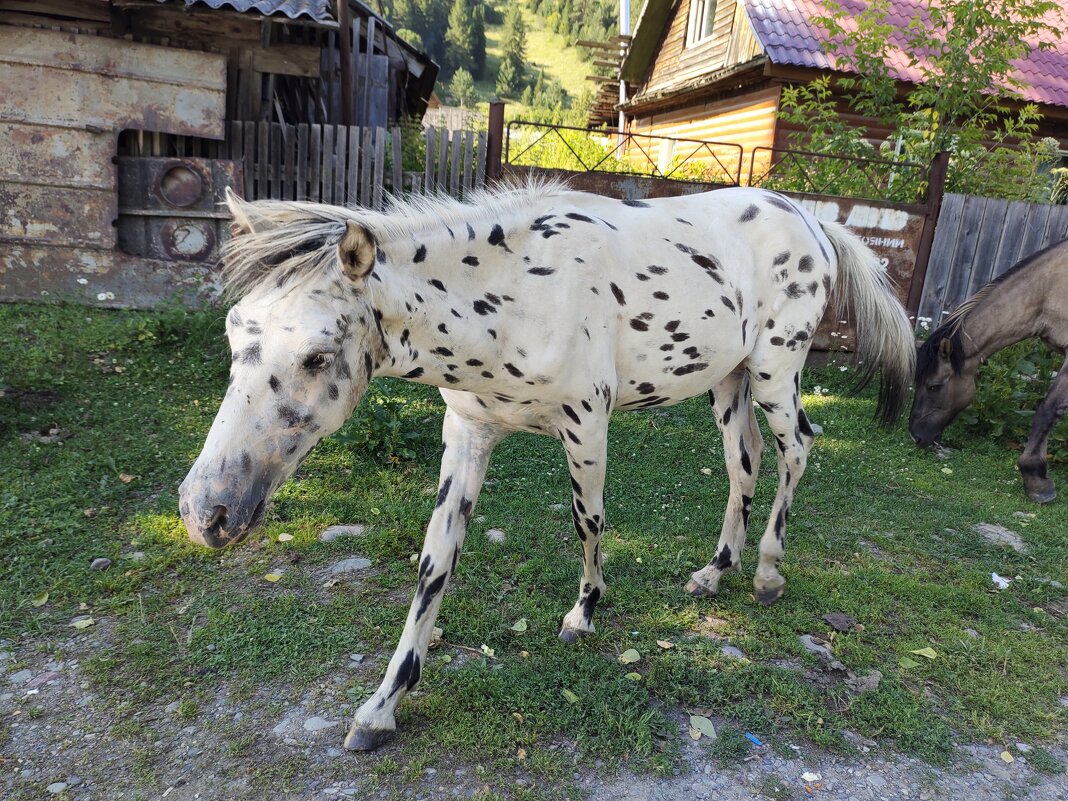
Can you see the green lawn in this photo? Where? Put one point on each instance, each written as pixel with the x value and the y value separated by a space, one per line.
pixel 103 412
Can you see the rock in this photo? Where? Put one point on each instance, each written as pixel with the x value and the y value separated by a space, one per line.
pixel 100 564
pixel 335 532
pixel 1023 748
pixel 875 780
pixel 840 621
pixel 43 679
pixel 350 565
pixel 318 724
pixel 999 535
pixel 732 652
pixel 558 507
pixel 55 788
pixel 282 728
pixel 972 633
pixel 334 753
pixel 136 556
pixel 864 684
pixel 1024 515
pixel 495 535
pixel 820 649
pixel 172 707
pixel 357 658
pixel 21 677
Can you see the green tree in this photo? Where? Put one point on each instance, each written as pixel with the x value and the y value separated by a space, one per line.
pixel 460 37
pixel 966 99
pixel 462 88
pixel 507 80
pixel 514 49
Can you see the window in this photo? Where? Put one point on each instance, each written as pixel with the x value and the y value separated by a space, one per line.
pixel 702 18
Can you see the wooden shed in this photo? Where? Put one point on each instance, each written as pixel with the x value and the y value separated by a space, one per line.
pixel 118 120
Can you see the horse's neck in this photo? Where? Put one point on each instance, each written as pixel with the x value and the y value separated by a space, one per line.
pixel 431 333
pixel 1011 313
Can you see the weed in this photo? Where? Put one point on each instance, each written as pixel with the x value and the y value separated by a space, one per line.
pixel 730 745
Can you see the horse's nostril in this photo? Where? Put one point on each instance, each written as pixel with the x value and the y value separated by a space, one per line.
pixel 218 518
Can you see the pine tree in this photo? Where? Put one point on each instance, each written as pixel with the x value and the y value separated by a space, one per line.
pixel 460 37
pixel 515 48
pixel 507 81
pixel 479 67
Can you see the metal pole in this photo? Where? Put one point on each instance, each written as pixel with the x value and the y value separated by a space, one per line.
pixel 494 141
pixel 624 30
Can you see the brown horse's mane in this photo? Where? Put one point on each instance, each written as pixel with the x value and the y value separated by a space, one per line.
pixel 927 355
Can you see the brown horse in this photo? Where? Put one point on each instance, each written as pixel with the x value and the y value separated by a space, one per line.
pixel 1030 300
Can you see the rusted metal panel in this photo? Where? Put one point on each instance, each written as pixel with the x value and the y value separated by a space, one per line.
pixel 59 157
pixel 92 82
pixel 170 207
pixel 101 277
pixel 42 213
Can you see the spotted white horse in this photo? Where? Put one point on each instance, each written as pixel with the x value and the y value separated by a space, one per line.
pixel 534 309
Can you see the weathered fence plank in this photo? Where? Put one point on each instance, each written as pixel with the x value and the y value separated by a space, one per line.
pixel 977 239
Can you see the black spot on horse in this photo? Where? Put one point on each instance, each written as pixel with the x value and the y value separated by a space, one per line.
pixel 769 324
pixel 442 351
pixel 274 383
pixel 484 308
pixel 416 373
pixel 638 325
pixel 332 391
pixel 777 340
pixel 571 413
pixel 451 379
pixel 637 204
pixel 443 492
pixel 805 265
pixel 429 593
pixel 723 559
pixel 645 388
pixel 661 295
pixel 747 466
pixel 673 326
pixel 620 299
pixel 794 290
pixel 252 355
pixel 511 368
pixel 690 368
pixel 656 269
pixel 470 261
pixel 434 282
pixel 782 258
pixel 680 337
pixel 727 302
pixel 541 271
pixel 812 288
pixel 571 215
pixel 496 236
pixel 407 674
pixel 420 254
pixel 749 214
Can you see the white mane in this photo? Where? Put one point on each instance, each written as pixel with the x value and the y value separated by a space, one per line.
pixel 290 239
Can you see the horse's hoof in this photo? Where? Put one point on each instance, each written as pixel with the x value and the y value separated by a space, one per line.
pixel 570 636
pixel 1042 496
pixel 698 590
pixel 361 739
pixel 769 595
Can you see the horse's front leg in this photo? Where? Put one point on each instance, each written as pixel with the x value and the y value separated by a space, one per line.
pixel 468 446
pixel 1032 462
pixel 584 432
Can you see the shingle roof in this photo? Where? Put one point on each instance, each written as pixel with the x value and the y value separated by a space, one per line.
pixel 788 37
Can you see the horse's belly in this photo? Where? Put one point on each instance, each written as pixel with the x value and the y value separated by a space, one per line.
pixel 666 377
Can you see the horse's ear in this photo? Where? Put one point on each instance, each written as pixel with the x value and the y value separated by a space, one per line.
pixel 356 252
pixel 240 224
pixel 945 347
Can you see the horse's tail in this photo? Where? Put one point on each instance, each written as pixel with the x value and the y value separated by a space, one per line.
pixel 884 341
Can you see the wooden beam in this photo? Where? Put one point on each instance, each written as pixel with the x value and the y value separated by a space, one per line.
pixel 287 59
pixel 344 17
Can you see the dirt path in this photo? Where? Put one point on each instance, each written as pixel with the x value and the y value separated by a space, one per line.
pixel 61 739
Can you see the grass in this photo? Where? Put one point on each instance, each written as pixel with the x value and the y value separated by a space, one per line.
pixel 880 531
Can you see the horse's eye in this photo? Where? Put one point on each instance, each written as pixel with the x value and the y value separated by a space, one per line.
pixel 934 387
pixel 317 362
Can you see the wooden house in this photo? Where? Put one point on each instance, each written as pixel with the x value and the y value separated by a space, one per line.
pixel 120 123
pixel 715 69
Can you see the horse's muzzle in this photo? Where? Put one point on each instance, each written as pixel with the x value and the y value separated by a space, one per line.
pixel 220 518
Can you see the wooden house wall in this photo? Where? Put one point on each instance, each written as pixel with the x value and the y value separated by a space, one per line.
pixel 732 42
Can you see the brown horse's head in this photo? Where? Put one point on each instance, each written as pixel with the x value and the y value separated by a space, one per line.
pixel 945 385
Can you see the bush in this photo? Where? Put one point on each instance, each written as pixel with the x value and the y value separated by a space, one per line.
pixel 379 427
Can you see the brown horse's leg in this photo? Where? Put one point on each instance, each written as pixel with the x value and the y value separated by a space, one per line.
pixel 1032 461
pixel 732 404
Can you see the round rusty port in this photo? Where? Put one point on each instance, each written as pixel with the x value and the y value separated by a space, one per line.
pixel 188 240
pixel 181 185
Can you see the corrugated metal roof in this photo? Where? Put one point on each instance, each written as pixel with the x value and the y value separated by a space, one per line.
pixel 788 37
pixel 318 10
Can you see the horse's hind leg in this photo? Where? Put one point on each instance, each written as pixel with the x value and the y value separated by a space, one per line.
pixel 1032 461
pixel 585 437
pixel 743 446
pixel 468 446
pixel 781 401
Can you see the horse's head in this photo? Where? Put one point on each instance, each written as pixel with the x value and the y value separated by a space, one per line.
pixel 944 386
pixel 305 342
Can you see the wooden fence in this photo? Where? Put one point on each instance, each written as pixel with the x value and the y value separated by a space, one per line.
pixel 977 239
pixel 350 165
